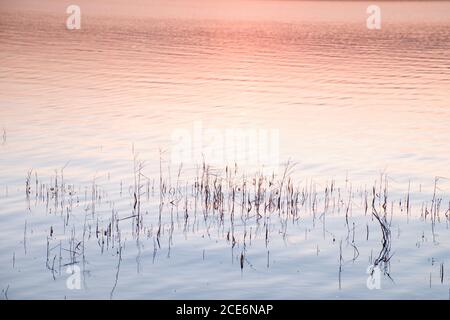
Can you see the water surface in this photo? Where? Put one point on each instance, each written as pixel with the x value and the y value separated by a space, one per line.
pixel 350 104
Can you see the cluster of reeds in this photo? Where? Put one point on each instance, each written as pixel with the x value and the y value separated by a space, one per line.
pixel 219 199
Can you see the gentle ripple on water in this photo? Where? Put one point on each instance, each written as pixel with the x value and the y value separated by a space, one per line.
pixel 348 102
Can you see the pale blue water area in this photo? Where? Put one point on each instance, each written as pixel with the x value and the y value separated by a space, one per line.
pixel 355 109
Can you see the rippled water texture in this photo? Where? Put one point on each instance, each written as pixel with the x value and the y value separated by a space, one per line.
pixel 354 108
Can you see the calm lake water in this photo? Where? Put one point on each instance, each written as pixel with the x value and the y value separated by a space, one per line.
pixel 354 109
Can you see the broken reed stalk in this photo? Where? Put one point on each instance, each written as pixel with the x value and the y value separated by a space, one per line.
pixel 384 254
